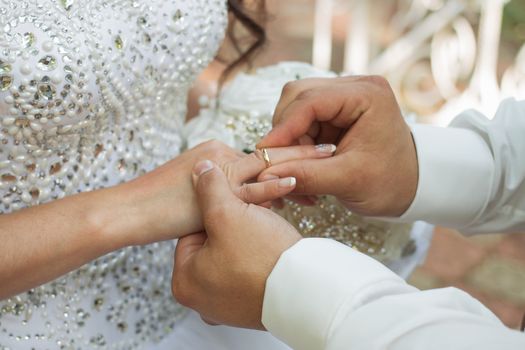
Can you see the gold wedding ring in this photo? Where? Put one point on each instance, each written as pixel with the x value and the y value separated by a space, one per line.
pixel 266 158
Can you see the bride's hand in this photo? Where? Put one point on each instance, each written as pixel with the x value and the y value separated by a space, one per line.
pixel 165 202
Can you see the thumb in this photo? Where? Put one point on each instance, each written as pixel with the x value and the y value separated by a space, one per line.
pixel 212 187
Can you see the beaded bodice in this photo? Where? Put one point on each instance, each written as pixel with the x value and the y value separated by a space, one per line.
pixel 93 93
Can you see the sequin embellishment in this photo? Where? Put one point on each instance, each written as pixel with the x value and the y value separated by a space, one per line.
pixel 93 93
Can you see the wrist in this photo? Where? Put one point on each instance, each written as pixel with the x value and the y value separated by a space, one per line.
pixel 409 189
pixel 160 206
pixel 115 218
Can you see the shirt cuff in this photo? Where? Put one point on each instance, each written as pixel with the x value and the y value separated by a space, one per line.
pixel 314 281
pixel 456 168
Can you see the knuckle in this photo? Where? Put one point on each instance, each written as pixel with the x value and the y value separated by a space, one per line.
pixel 214 144
pixel 246 193
pixel 229 170
pixel 215 148
pixel 309 179
pixel 185 299
pixel 379 81
pixel 181 292
pixel 256 156
pixel 306 95
pixel 290 87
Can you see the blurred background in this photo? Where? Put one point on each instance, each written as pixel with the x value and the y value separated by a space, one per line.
pixel 441 57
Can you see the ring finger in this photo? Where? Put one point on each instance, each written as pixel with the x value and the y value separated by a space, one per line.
pixel 253 164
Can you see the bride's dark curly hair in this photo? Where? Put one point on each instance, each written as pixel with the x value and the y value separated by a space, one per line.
pixel 246 32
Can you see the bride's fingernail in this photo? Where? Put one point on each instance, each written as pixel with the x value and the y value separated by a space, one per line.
pixel 202 167
pixel 326 148
pixel 288 182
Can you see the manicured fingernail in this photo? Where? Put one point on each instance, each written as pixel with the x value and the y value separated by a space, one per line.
pixel 202 167
pixel 326 148
pixel 288 182
pixel 269 177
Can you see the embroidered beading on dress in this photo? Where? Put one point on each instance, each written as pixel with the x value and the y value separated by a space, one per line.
pixel 93 93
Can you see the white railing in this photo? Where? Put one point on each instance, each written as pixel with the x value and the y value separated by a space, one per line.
pixel 435 61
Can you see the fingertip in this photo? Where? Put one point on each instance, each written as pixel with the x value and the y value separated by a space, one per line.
pixel 326 149
pixel 264 142
pixel 288 182
pixel 277 137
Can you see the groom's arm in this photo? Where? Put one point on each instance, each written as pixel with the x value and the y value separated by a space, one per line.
pixel 472 174
pixel 324 295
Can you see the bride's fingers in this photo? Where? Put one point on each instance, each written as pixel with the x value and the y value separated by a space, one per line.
pixel 263 192
pixel 253 164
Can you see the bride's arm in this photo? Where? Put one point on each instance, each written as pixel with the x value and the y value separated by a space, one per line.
pixel 42 243
pixel 47 241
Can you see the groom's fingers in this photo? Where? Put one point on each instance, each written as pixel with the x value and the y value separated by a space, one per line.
pixel 253 164
pixel 186 248
pixel 340 107
pixel 317 176
pixel 293 89
pixel 262 192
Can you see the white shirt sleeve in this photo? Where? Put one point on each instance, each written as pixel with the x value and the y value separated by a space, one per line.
pixel 472 174
pixel 324 295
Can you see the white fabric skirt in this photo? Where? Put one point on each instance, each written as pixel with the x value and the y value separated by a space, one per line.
pixel 193 334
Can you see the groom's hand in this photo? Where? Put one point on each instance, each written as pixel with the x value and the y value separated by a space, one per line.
pixel 222 274
pixel 374 171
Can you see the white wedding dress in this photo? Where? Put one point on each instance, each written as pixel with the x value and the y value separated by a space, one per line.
pixel 93 93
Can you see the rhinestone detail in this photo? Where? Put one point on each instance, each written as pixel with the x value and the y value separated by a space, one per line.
pixel 92 94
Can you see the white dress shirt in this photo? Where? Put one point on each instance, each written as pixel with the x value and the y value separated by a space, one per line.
pixel 324 295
